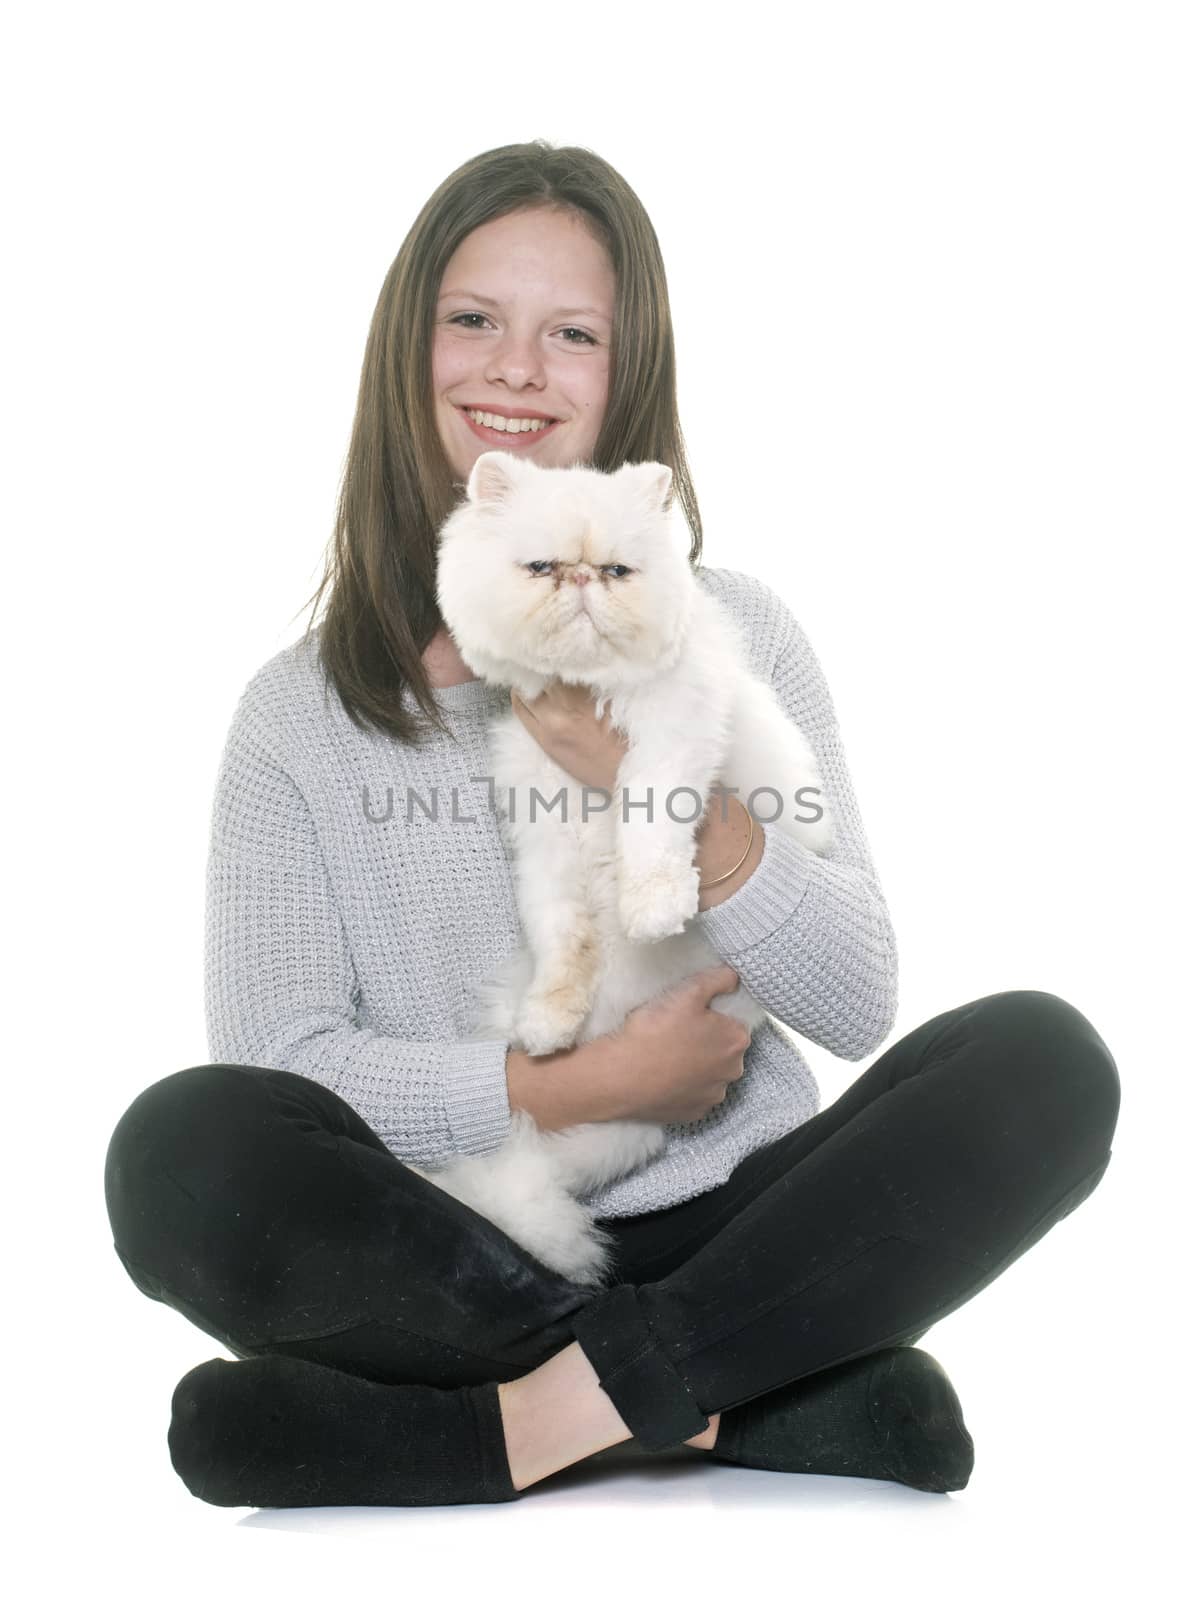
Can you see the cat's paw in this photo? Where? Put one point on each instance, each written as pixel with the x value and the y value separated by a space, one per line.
pixel 658 904
pixel 548 1023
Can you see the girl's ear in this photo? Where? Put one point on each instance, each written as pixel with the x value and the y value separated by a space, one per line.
pixel 492 478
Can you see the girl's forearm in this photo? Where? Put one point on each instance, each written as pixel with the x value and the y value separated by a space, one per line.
pixel 566 1087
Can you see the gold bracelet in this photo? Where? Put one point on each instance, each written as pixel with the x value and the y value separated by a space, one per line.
pixel 743 858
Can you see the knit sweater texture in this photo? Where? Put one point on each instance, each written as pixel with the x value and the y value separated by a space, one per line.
pixel 346 929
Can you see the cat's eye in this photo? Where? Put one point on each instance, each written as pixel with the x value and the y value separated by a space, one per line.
pixel 535 566
pixel 618 569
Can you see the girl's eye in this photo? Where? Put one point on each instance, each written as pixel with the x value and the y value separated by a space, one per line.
pixel 462 315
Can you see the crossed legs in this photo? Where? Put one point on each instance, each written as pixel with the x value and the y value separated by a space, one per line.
pixel 259 1205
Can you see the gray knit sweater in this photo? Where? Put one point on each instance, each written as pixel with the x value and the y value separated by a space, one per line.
pixel 345 928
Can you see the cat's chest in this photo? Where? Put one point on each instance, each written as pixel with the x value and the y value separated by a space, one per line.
pixel 539 807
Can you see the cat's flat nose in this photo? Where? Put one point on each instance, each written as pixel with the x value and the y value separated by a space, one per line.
pixel 580 577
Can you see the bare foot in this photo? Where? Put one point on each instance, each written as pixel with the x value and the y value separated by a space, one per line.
pixel 556 1415
pixel 705 1440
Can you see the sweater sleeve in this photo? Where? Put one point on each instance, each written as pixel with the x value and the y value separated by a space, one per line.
pixel 810 935
pixel 280 984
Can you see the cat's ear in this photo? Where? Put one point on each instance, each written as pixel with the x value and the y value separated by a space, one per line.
pixel 653 482
pixel 492 478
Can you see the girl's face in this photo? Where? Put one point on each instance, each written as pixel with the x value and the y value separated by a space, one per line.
pixel 523 323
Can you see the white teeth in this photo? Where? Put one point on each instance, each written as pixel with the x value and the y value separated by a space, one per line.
pixel 489 419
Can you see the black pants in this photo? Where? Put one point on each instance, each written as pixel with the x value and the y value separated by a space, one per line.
pixel 262 1207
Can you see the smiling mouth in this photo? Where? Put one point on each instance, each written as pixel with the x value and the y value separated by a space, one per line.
pixel 516 426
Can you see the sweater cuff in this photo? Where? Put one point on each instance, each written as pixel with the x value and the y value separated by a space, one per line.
pixel 476 1103
pixel 766 900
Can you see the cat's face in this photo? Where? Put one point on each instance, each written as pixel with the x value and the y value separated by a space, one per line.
pixel 569 572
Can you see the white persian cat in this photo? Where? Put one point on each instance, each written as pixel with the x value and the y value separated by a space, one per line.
pixel 573 574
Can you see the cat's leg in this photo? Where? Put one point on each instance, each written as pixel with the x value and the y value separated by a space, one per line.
pixel 664 783
pixel 772 762
pixel 497 996
pixel 555 909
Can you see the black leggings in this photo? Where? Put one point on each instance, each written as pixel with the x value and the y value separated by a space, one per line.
pixel 261 1206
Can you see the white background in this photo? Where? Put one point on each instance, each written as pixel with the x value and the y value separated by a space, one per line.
pixel 921 262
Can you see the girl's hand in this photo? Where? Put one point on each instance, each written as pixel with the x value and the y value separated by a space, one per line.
pixel 563 720
pixel 674 1058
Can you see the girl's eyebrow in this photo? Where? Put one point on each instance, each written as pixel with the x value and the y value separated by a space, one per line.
pixel 484 299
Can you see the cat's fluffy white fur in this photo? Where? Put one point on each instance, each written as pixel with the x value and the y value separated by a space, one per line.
pixel 606 905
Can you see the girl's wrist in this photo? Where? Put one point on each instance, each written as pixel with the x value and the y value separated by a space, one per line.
pixel 729 849
pixel 566 1087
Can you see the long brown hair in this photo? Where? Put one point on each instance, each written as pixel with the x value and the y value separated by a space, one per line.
pixel 398 487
